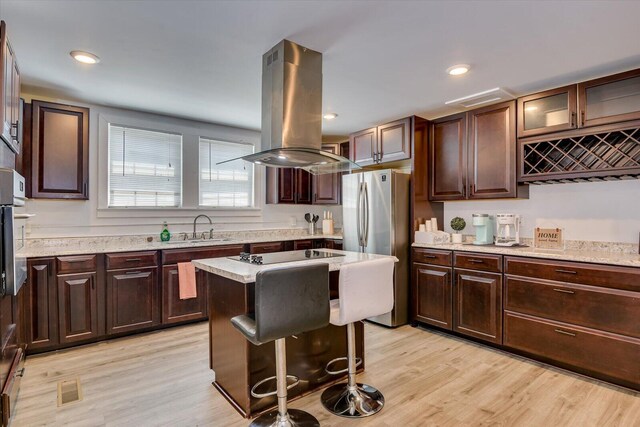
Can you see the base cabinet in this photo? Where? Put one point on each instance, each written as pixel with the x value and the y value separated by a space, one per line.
pixel 77 307
pixel 478 305
pixel 41 310
pixel 174 309
pixel 132 300
pixel 432 287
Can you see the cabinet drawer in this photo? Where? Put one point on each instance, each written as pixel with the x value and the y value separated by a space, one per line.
pixel 131 260
pixel 627 278
pixel 302 244
pixel 611 310
pixel 432 256
pixel 76 263
pixel 265 248
pixel 610 355
pixel 185 255
pixel 475 261
pixel 12 386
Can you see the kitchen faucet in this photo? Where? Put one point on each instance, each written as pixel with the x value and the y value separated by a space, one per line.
pixel 196 220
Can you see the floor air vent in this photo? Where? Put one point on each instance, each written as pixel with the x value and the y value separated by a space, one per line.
pixel 69 391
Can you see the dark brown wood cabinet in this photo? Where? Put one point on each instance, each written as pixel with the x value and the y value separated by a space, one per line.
pixel 9 92
pixel 297 186
pixel 77 307
pixel 363 145
pixel 610 99
pixel 302 244
pixel 132 301
pixel 41 310
pixel 176 310
pixel 478 304
pixel 491 153
pixel 550 111
pixel 432 289
pixel 473 155
pixel 327 187
pixel 382 144
pixel 59 151
pixel 448 158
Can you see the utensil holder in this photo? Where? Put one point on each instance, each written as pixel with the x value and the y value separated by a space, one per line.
pixel 312 229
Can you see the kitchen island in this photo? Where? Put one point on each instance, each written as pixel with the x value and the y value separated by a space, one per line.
pixel 238 364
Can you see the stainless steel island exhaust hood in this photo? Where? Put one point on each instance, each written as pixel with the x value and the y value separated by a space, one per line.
pixel 292 113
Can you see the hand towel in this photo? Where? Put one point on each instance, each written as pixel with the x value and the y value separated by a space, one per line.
pixel 187 280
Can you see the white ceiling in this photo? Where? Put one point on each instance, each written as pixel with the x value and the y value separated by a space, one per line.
pixel 382 59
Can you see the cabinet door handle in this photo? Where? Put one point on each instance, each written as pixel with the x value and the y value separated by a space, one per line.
pixel 573 119
pixel 582 118
pixel 72 261
pixel 429 256
pixel 560 331
pixel 133 272
pixel 93 284
pixel 380 154
pixel 13 132
pixel 133 259
pixel 84 189
pixel 564 291
pixel 476 261
pixel 558 270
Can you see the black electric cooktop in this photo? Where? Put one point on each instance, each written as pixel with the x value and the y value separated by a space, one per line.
pixel 280 257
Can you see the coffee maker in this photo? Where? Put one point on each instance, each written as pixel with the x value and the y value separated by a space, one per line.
pixel 483 224
pixel 506 224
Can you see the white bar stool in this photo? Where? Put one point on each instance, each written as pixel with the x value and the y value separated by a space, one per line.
pixel 366 290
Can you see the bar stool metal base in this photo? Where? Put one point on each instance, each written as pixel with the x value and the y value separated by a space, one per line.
pixel 294 418
pixel 352 402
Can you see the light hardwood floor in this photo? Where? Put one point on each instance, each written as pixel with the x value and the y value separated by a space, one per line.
pixel 428 379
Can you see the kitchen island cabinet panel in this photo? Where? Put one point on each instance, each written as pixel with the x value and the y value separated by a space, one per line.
pixel 132 299
pixel 77 307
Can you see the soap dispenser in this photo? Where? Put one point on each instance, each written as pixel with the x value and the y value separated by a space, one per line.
pixel 165 236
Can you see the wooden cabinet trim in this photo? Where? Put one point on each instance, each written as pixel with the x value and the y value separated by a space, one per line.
pixel 131 259
pixel 457 192
pixel 76 263
pixel 67 309
pixel 477 261
pixel 433 256
pixel 353 142
pixel 148 300
pixel 434 304
pixel 385 155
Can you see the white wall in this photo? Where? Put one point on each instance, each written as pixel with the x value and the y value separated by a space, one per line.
pixel 598 211
pixel 58 218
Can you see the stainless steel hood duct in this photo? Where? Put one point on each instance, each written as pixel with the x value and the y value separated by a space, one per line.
pixel 292 112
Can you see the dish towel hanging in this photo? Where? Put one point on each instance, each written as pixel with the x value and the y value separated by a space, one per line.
pixel 187 280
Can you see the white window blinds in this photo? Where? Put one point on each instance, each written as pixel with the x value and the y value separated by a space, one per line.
pixel 229 184
pixel 145 168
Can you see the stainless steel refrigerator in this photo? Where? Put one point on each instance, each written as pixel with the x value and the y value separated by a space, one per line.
pixel 375 215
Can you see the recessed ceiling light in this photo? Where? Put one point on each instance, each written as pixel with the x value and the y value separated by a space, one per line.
pixel 84 57
pixel 458 69
pixel 330 116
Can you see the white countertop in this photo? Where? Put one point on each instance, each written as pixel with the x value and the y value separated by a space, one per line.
pixel 92 245
pixel 246 273
pixel 597 257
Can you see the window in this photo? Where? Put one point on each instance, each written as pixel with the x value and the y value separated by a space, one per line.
pixel 145 168
pixel 229 184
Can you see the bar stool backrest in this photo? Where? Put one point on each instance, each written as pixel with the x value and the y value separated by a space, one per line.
pixel 366 289
pixel 291 300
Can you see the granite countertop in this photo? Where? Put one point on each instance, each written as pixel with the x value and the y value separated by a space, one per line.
pixel 92 245
pixel 591 256
pixel 246 273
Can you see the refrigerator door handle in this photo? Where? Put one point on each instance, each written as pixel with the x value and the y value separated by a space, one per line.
pixel 366 216
pixel 358 222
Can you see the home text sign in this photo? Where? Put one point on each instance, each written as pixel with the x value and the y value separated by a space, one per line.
pixel 548 238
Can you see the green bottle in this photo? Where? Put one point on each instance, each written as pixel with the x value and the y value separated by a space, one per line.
pixel 165 236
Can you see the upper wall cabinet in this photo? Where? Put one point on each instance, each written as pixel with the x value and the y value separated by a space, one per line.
pixel 610 99
pixel 549 111
pixel 382 144
pixel 10 92
pixel 297 186
pixel 603 101
pixel 60 151
pixel 473 155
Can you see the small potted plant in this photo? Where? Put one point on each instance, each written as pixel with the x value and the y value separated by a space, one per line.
pixel 458 224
